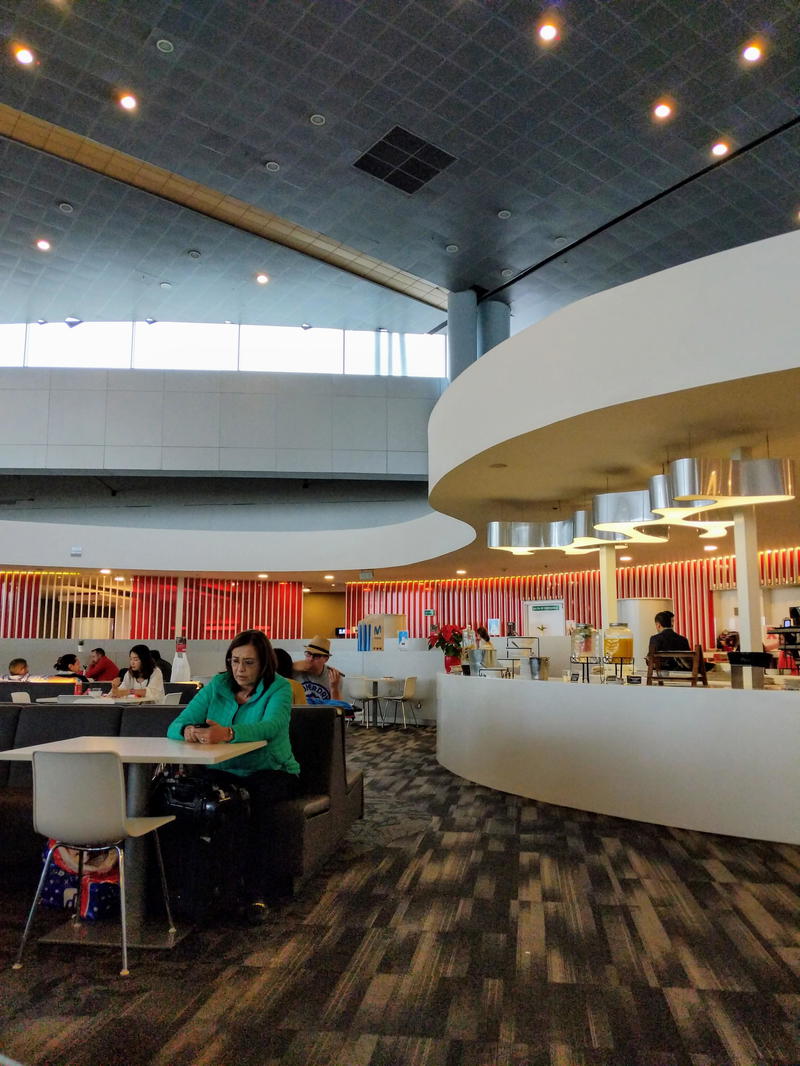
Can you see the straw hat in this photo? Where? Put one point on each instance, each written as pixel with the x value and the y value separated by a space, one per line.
pixel 318 646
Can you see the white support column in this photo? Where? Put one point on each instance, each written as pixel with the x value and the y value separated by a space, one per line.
pixel 179 608
pixel 608 585
pixel 748 580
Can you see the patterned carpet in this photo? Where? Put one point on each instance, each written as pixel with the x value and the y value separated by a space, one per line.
pixel 457 927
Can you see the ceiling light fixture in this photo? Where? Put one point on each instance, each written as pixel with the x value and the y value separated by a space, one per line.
pixel 316 119
pixel 72 321
pixel 127 101
pixel 41 321
pixel 165 285
pixel 164 46
pixel 752 52
pixel 104 571
pixel 548 32
pixel 461 571
pixel 506 272
pixel 272 166
pixel 720 148
pixel 306 325
pixel 66 207
pixel 150 321
pixel 662 110
pixel 263 577
pixel 262 279
pixel 43 245
pixel 451 248
pixel 24 55
pixel 328 577
pixel 504 214
pixel 193 253
pixel 709 547
pixel 305 589
pixel 119 578
pixel 626 558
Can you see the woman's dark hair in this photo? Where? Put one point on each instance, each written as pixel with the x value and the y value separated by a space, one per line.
pixel 147 666
pixel 264 650
pixel 283 662
pixel 64 662
pixel 482 633
pixel 664 619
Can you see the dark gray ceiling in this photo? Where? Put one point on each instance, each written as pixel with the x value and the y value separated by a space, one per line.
pixel 560 137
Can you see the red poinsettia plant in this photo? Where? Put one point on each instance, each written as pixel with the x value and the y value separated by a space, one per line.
pixel 448 638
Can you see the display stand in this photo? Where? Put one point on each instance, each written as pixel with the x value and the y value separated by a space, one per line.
pixel 585 662
pixel 618 662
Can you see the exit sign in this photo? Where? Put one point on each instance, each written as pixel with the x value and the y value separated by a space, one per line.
pixel 429 612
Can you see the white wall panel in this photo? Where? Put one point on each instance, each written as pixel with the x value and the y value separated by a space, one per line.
pixel 247 419
pixel 23 416
pixel 77 418
pixel 134 418
pixel 192 421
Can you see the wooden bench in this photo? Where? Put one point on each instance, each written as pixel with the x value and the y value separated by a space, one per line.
pixel 661 669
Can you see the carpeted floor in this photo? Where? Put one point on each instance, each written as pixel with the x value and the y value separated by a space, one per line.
pixel 457 927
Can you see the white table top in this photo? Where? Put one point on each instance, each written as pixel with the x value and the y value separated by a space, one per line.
pixel 98 701
pixel 141 749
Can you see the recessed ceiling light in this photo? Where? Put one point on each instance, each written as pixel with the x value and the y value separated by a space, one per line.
pixel 752 52
pixel 328 577
pixel 662 109
pixel 41 321
pixel 263 576
pixel 127 101
pixel 43 245
pixel 193 253
pixel 548 31
pixel 272 166
pixel 461 571
pixel 66 207
pixel 720 148
pixel 164 46
pixel 559 242
pixel 451 248
pixel 316 120
pixel 709 547
pixel 165 284
pixel 150 321
pixel 262 279
pixel 626 558
pixel 73 320
pixel 24 55
pixel 119 578
pixel 306 325
pixel 507 272
pixel 105 571
pixel 498 466
pixel 504 214
pixel 306 590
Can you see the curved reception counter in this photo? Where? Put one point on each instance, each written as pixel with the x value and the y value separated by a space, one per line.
pixel 716 760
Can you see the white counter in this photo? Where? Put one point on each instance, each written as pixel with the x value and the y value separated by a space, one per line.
pixel 717 760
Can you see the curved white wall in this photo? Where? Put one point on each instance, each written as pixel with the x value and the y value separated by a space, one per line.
pixel 727 316
pixel 716 760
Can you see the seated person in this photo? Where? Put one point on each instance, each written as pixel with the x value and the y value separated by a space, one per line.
pixel 68 666
pixel 666 639
pixel 162 664
pixel 247 701
pixel 142 678
pixel 17 671
pixel 284 667
pixel 100 667
pixel 321 682
pixel 486 646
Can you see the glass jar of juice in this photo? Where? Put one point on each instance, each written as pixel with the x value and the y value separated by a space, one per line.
pixel 617 642
pixel 584 642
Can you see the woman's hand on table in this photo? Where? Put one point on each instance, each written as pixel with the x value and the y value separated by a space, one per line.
pixel 210 733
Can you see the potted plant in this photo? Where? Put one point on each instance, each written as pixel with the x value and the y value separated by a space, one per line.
pixel 449 639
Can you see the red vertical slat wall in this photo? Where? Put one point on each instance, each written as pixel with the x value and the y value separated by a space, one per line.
pixel 153 602
pixel 217 609
pixel 19 605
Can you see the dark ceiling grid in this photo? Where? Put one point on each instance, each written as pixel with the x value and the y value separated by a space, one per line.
pixel 561 138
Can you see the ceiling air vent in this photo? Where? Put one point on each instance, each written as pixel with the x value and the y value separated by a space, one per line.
pixel 404 160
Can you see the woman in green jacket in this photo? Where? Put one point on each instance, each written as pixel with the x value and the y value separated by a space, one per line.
pixel 248 701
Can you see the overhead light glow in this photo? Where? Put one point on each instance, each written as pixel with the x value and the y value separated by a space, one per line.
pixel 43 245
pixel 752 53
pixel 105 571
pixel 626 558
pixel 306 590
pixel 329 577
pixel 548 31
pixel 119 578
pixel 262 279
pixel 720 148
pixel 662 110
pixel 461 571
pixel 263 576
pixel 128 101
pixel 72 321
pixel 24 55
pixel 709 547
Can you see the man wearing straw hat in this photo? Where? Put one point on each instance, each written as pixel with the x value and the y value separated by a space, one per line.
pixel 321 682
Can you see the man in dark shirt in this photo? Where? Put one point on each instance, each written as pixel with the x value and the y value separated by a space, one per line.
pixel 666 639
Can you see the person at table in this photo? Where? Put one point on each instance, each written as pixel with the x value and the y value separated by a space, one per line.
pixel 285 666
pixel 249 700
pixel 666 639
pixel 162 664
pixel 68 666
pixel 142 678
pixel 320 681
pixel 100 667
pixel 486 646
pixel 17 671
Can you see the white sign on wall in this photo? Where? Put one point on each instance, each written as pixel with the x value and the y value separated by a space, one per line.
pixel 544 618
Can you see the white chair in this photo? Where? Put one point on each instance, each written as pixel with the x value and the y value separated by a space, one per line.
pixel 173 698
pixel 362 689
pixel 20 697
pixel 79 801
pixel 404 700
